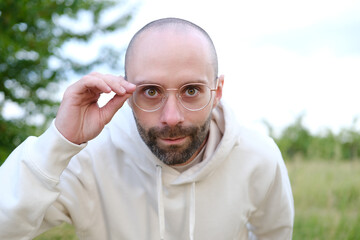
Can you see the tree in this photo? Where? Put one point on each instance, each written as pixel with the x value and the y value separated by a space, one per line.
pixel 295 139
pixel 350 141
pixel 31 61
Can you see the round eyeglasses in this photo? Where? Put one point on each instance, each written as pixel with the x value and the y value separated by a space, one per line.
pixel 192 96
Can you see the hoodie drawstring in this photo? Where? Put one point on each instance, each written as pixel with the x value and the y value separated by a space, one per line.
pixel 161 213
pixel 160 201
pixel 192 212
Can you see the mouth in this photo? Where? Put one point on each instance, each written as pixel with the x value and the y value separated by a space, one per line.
pixel 173 141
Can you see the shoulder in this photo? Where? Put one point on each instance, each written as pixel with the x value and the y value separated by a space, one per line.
pixel 257 143
pixel 248 140
pixel 258 159
pixel 252 150
pixel 256 154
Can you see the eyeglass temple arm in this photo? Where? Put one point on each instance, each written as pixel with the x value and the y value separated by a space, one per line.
pixel 217 84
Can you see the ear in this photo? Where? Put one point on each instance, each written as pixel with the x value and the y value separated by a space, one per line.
pixel 218 92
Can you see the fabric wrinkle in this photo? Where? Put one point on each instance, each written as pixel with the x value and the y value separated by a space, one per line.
pixel 161 210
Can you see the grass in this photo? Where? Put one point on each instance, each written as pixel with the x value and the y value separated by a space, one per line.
pixel 327 202
pixel 62 232
pixel 327 199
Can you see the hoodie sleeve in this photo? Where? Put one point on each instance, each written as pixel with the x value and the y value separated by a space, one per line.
pixel 28 183
pixel 274 218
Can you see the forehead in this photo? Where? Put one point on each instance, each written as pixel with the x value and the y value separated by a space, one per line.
pixel 189 82
pixel 170 55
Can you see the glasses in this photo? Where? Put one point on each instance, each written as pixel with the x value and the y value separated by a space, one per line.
pixel 192 96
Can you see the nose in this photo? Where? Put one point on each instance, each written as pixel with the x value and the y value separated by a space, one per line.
pixel 171 112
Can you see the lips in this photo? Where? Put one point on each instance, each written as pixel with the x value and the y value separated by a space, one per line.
pixel 172 141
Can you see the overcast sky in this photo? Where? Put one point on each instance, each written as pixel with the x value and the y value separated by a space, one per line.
pixel 280 58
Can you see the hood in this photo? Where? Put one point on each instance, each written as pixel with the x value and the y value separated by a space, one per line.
pixel 124 135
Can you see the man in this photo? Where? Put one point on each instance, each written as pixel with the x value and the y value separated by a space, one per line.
pixel 172 163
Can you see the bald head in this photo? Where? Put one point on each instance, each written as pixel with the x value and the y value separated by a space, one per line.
pixel 176 25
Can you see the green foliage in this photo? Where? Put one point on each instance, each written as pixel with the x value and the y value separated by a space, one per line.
pixel 350 140
pixel 296 141
pixel 31 62
pixel 13 135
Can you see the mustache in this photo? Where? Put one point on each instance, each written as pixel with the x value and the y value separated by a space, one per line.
pixel 172 132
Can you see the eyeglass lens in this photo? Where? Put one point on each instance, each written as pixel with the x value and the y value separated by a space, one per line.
pixel 192 96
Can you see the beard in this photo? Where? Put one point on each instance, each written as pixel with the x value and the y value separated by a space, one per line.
pixel 174 154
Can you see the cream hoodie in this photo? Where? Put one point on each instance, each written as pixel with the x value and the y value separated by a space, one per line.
pixel 115 188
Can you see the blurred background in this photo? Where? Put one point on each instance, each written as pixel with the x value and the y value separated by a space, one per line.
pixel 291 71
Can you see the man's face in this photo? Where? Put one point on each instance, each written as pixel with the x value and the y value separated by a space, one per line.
pixel 171 59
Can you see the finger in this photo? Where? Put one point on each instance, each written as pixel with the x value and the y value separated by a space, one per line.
pixel 130 87
pixel 109 110
pixel 94 83
pixel 118 84
pixel 127 86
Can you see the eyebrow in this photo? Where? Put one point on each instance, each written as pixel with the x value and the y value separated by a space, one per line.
pixel 181 84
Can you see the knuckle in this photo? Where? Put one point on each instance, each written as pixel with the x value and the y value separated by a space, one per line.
pixel 94 74
pixel 85 78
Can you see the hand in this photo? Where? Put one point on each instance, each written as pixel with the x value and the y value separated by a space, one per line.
pixel 79 118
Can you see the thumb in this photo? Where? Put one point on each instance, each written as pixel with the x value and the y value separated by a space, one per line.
pixel 109 110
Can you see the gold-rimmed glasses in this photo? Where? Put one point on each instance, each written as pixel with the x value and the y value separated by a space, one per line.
pixel 192 96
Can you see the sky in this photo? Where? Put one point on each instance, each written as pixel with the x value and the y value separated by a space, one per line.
pixel 281 59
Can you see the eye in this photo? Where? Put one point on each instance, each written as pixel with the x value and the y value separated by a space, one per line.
pixel 151 91
pixel 191 91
